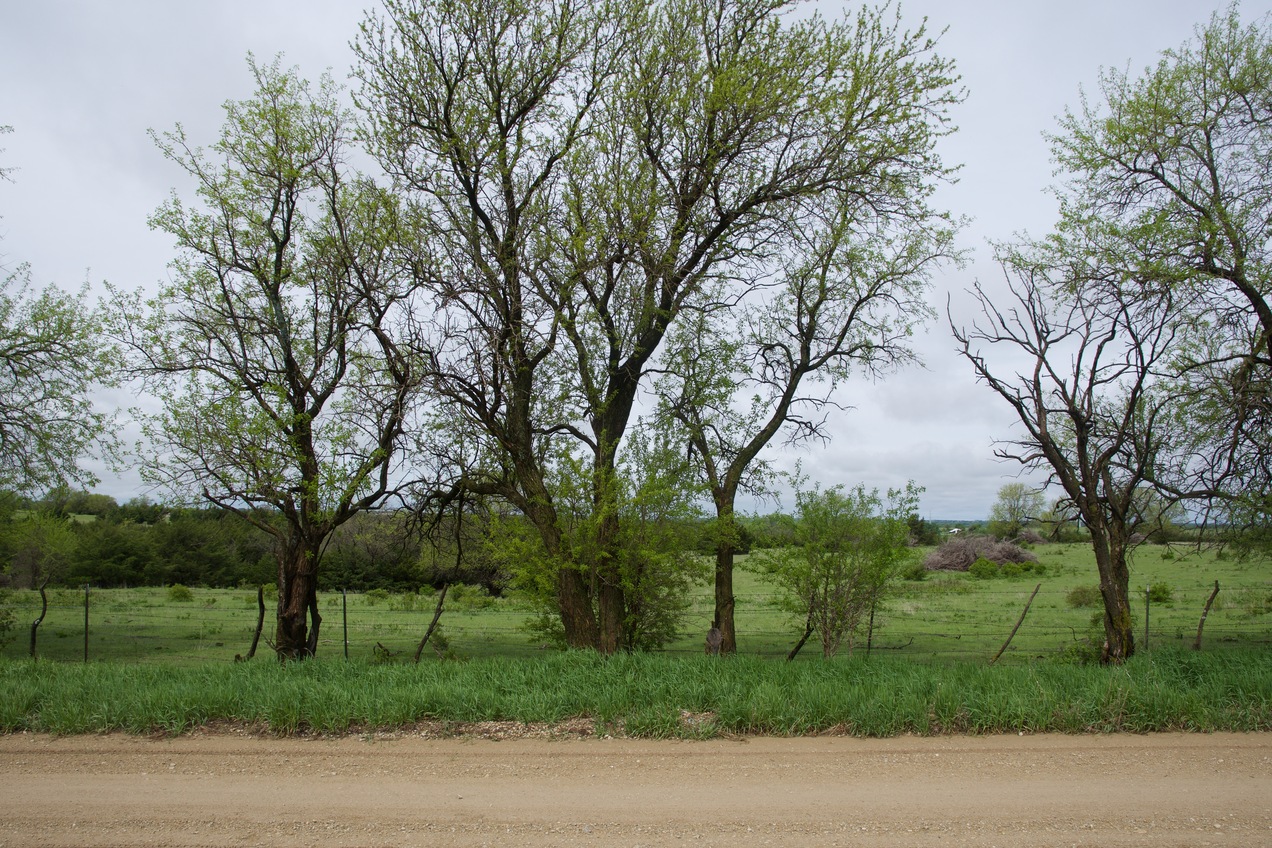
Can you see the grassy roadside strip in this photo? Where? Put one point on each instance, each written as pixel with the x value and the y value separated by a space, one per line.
pixel 650 695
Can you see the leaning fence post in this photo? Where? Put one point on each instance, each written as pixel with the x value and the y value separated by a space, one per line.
pixel 344 594
pixel 85 622
pixel 1205 612
pixel 1019 622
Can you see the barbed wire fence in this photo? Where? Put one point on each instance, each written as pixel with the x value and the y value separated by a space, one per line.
pixel 149 625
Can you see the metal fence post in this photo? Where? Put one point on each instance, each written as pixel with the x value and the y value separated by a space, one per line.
pixel 85 622
pixel 344 594
pixel 1147 602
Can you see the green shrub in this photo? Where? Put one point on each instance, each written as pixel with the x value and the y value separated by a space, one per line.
pixel 476 599
pixel 915 571
pixel 405 602
pixel 983 569
pixel 1160 593
pixel 1013 569
pixel 1083 596
pixel 179 593
pixel 375 596
pixel 6 619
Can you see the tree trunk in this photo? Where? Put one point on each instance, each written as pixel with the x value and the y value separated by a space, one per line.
pixel 575 605
pixel 724 602
pixel 297 602
pixel 610 597
pixel 1115 579
pixel 726 547
pixel 611 601
pixel 574 596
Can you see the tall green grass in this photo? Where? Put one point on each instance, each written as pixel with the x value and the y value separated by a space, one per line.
pixel 649 695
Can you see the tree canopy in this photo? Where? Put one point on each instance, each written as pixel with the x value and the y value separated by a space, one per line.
pixel 1165 183
pixel 274 348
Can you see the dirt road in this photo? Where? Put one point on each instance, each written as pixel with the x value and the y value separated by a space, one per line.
pixel 227 789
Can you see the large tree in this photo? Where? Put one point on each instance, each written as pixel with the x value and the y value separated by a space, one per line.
pixel 1166 178
pixel 475 108
pixel 589 174
pixel 284 389
pixel 1078 356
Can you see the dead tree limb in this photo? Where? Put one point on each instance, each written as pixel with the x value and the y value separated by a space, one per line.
pixel 432 625
pixel 808 630
pixel 1205 612
pixel 1019 622
pixel 44 610
pixel 260 620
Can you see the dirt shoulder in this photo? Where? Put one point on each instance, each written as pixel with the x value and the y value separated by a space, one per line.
pixel 228 789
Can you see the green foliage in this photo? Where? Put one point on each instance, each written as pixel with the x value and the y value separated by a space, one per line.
pixel 180 594
pixel 915 571
pixel 56 352
pixel 1018 504
pixel 983 569
pixel 1161 593
pixel 851 547
pixel 1165 190
pixel 7 622
pixel 1083 596
pixel 37 547
pixel 923 532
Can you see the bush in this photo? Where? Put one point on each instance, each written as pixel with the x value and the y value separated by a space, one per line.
pixel 916 570
pixel 1083 596
pixel 405 602
pixel 375 596
pixel 182 594
pixel 983 569
pixel 959 553
pixel 1160 593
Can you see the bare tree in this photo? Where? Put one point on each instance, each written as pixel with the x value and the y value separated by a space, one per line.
pixel 1078 365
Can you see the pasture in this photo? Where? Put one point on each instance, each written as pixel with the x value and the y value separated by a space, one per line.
pixel 945 617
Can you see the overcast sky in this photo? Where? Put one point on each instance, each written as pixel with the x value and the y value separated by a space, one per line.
pixel 84 81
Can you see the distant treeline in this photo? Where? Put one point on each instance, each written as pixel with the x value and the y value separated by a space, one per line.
pixel 74 538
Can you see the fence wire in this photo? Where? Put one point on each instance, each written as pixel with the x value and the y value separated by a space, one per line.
pixel 150 625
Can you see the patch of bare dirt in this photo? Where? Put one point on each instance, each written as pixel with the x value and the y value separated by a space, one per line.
pixel 428 787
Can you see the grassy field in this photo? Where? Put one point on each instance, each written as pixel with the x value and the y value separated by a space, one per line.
pixel 160 660
pixel 943 618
